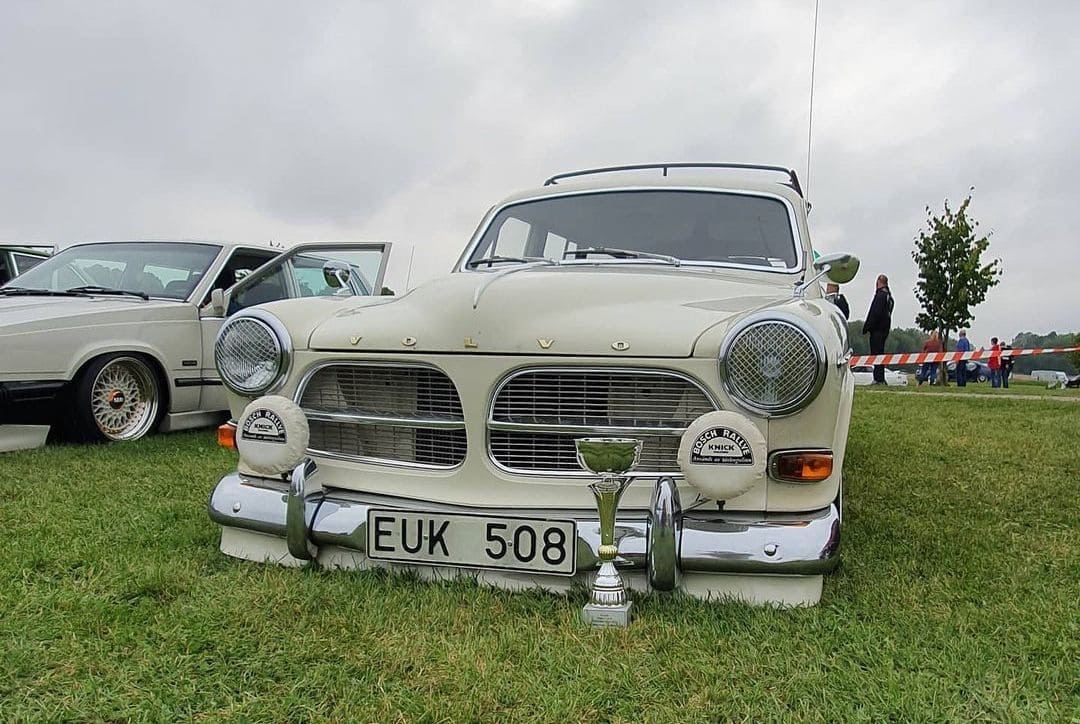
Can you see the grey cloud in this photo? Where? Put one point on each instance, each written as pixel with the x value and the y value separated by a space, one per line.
pixel 407 120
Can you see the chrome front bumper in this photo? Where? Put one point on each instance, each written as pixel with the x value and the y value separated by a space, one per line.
pixel 662 541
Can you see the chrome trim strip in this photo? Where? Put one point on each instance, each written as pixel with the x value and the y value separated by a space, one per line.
pixel 782 317
pixel 285 354
pixel 793 221
pixel 590 429
pixel 425 422
pixel 339 361
pixel 758 543
pixel 662 548
pixel 517 372
pixel 386 462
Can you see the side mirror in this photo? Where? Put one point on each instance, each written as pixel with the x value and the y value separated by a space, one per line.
pixel 336 273
pixel 839 268
pixel 218 302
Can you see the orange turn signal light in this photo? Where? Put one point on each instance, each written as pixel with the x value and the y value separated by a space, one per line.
pixel 226 435
pixel 802 466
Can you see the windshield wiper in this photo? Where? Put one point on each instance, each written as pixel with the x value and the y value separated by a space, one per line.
pixel 92 289
pixel 621 254
pixel 498 259
pixel 28 292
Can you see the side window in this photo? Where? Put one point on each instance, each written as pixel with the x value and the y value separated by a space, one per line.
pixel 240 264
pixel 23 262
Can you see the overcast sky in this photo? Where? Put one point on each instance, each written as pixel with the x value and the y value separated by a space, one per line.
pixel 407 120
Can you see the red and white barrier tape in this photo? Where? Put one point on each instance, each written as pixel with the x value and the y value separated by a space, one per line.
pixel 914 358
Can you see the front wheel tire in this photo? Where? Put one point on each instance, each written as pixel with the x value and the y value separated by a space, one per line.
pixel 118 397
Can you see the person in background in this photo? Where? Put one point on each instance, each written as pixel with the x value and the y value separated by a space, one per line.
pixel 879 322
pixel 994 363
pixel 832 293
pixel 1006 366
pixel 929 369
pixel 963 344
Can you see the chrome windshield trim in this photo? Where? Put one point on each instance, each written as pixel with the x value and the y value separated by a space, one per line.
pixel 793 220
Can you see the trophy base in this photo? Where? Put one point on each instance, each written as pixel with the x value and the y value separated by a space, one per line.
pixel 618 615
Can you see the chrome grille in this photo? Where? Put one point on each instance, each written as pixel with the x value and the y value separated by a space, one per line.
pixel 537 414
pixel 772 365
pixel 404 414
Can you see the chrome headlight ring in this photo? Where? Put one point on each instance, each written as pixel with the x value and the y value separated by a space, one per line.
pixel 773 363
pixel 253 352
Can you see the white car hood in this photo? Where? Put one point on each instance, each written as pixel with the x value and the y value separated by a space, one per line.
pixel 33 314
pixel 589 310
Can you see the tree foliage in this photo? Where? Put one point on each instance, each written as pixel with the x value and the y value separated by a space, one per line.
pixel 1065 361
pixel 900 340
pixel 953 279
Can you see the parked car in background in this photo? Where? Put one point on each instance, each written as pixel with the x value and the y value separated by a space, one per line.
pixel 1073 382
pixel 1053 378
pixel 679 309
pixel 864 375
pixel 17 258
pixel 112 340
pixel 976 371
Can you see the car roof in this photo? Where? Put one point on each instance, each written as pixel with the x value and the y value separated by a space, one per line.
pixel 214 242
pixel 714 180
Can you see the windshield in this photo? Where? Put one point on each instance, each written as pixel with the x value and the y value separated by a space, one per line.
pixel 165 270
pixel 692 226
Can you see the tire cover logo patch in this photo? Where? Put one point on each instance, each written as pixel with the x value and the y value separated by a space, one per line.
pixel 265 426
pixel 721 446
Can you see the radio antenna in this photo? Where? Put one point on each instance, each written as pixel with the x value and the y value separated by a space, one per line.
pixel 408 274
pixel 810 123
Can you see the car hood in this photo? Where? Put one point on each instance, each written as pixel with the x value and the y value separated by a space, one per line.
pixel 626 310
pixel 31 314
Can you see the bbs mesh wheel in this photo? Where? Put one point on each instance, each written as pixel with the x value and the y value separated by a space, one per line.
pixel 117 397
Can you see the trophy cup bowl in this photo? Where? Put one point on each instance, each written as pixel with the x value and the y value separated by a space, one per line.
pixel 610 458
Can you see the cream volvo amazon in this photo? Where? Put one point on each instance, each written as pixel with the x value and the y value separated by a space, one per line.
pixel 675 304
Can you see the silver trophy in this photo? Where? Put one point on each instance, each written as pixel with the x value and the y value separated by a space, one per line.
pixel 610 458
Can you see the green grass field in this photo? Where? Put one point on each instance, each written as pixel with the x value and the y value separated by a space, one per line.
pixel 958 599
pixel 1016 387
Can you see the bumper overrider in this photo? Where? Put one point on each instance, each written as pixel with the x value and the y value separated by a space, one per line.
pixel 664 542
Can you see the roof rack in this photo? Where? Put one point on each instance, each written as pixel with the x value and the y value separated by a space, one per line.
pixel 793 180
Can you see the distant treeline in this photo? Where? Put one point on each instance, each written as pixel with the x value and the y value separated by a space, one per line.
pixel 911 340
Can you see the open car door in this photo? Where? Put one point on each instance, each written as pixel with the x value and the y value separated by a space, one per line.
pixel 311 269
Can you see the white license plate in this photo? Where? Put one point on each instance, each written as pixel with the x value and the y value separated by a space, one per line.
pixel 472 541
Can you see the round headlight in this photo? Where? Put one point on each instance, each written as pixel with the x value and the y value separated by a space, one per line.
pixel 252 352
pixel 773 363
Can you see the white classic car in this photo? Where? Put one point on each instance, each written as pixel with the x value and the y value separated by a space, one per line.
pixel 864 375
pixel 110 340
pixel 436 431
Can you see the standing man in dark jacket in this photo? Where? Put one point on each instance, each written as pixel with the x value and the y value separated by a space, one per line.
pixel 832 293
pixel 878 323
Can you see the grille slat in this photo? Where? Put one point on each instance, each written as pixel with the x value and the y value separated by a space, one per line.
pixel 400 414
pixel 654 406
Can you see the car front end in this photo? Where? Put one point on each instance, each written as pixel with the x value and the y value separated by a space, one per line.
pixel 436 432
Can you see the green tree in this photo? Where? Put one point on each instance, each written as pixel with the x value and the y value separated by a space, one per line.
pixel 953 279
pixel 1074 357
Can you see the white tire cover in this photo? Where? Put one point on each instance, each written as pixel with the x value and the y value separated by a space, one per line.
pixel 722 454
pixel 272 435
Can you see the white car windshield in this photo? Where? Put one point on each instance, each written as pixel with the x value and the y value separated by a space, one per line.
pixel 689 227
pixel 158 269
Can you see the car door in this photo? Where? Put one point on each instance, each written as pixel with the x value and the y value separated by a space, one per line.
pixel 297 272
